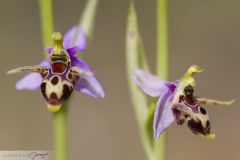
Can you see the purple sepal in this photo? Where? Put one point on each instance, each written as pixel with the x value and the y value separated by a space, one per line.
pixel 75 37
pixel 72 51
pixel 150 84
pixel 163 116
pixel 155 87
pixel 87 84
pixel 31 81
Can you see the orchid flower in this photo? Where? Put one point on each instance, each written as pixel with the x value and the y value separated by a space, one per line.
pixel 62 72
pixel 177 103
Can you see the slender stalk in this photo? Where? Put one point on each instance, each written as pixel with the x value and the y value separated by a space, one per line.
pixel 160 148
pixel 60 133
pixel 87 19
pixel 47 24
pixel 162 38
pixel 60 117
pixel 162 63
pixel 133 61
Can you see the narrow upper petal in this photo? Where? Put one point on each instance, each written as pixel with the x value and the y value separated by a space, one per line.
pixel 76 38
pixel 87 84
pixel 163 116
pixel 31 81
pixel 150 84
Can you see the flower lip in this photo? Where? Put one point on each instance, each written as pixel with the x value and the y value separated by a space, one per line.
pixel 197 127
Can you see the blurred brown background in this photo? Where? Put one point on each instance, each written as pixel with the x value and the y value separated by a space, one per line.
pixel 201 32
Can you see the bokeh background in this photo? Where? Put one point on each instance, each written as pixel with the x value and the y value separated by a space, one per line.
pixel 202 32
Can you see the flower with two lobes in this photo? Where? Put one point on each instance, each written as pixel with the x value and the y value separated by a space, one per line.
pixel 177 102
pixel 62 72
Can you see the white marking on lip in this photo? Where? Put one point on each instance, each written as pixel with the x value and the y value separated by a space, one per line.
pixel 58 88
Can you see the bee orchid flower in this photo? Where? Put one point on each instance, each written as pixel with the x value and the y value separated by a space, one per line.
pixel 177 102
pixel 62 72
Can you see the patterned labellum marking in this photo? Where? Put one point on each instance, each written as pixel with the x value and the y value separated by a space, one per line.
pixel 198 128
pixel 56 88
pixel 189 110
pixel 178 114
pixel 67 90
pixel 202 110
pixel 55 80
pixel 69 76
pixel 45 73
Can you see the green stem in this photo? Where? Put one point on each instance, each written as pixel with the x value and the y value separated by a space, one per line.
pixel 162 38
pixel 60 133
pixel 162 63
pixel 60 117
pixel 134 61
pixel 46 18
pixel 87 19
pixel 160 148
